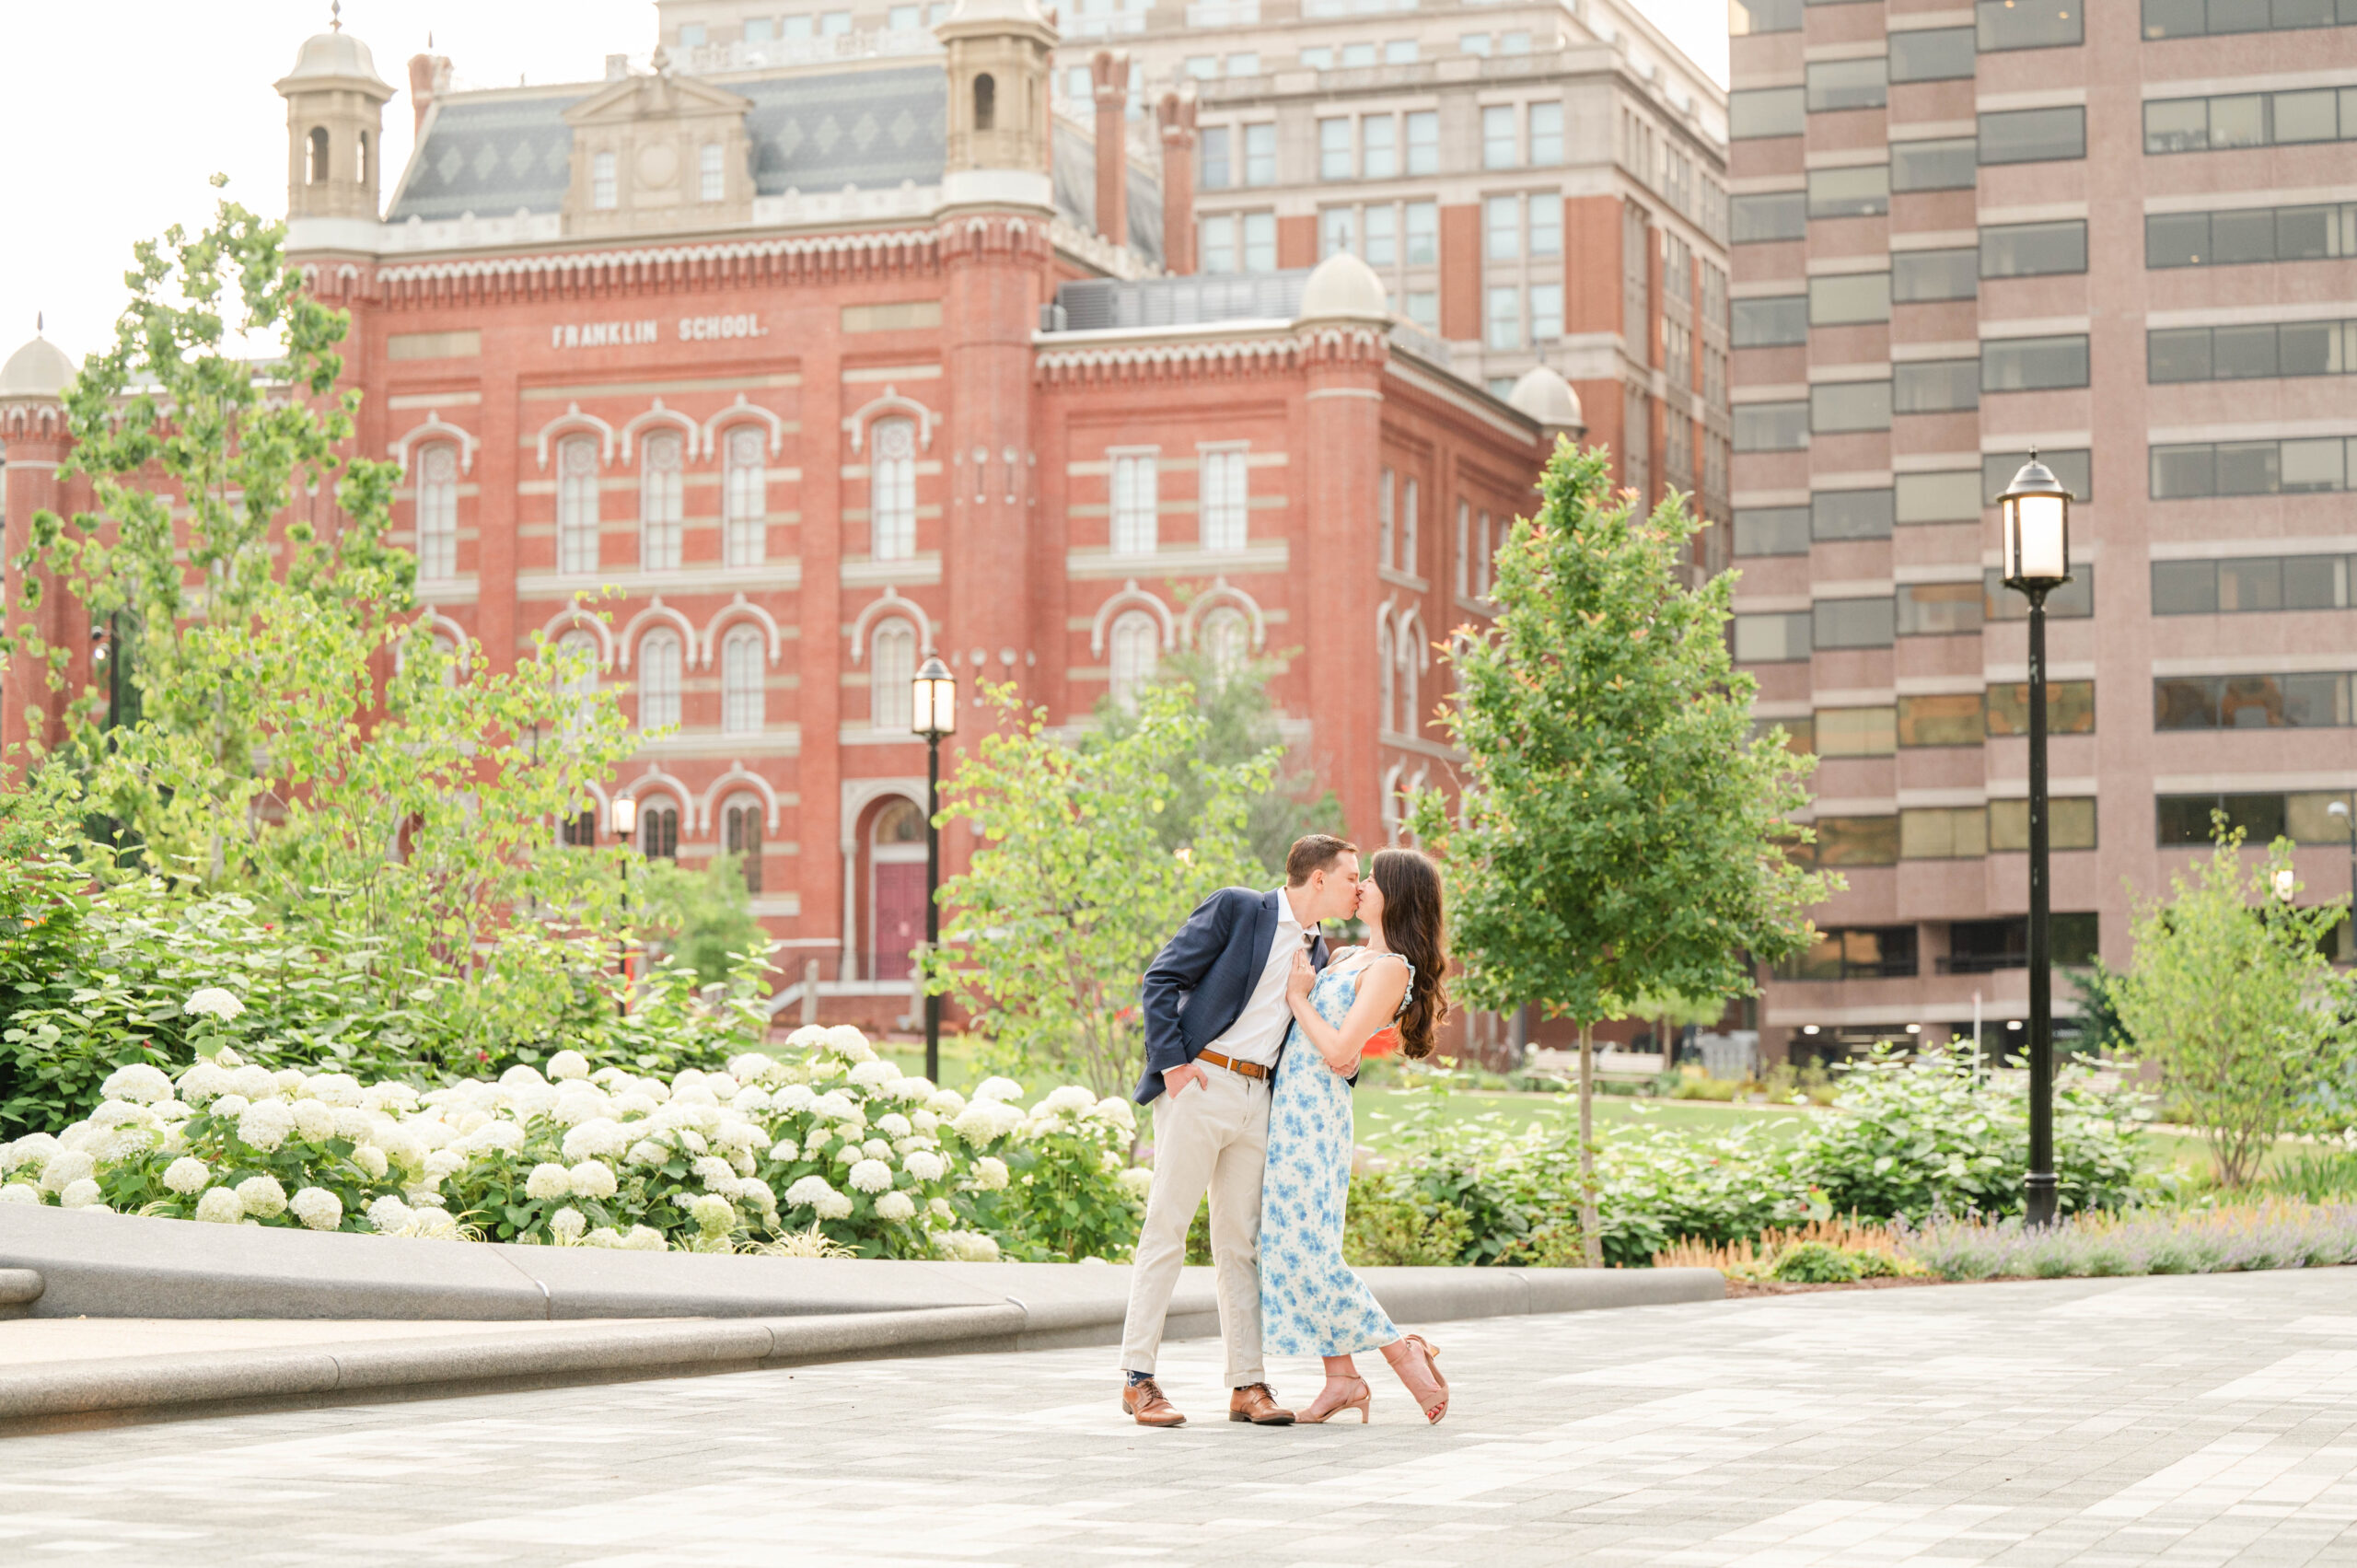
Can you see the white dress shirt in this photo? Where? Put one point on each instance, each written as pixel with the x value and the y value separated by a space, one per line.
pixel 1258 1031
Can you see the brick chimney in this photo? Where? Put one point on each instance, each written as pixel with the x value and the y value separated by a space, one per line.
pixel 1109 71
pixel 1176 114
pixel 428 75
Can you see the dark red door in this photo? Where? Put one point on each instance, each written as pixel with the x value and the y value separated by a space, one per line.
pixel 899 916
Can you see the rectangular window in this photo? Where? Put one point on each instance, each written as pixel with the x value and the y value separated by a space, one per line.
pixel 2248 120
pixel 1886 952
pixel 1846 299
pixel 713 180
pixel 2185 821
pixel 1423 308
pixel 2240 352
pixel 1939 609
pixel 1473 43
pixel 1259 154
pixel 1757 220
pixel 2191 19
pixel 1847 84
pixel 1772 639
pixel 2070 708
pixel 1217 239
pixel 1923 276
pixel 902 19
pixel 1498 149
pixel 1334 149
pixel 2034 249
pixel 1502 317
pixel 1135 502
pixel 1952 164
pixel 1212 168
pixel 1383 519
pixel 2320 701
pixel 2070 824
pixel 1379 145
pixel 1771 427
pixel 1931 54
pixel 1546 134
pixel 1514 43
pixel 1547 222
pixel 1943 832
pixel 1259 242
pixel 1501 228
pixel 1422 223
pixel 2074 600
pixel 1849 514
pixel 1400 51
pixel 2250 467
pixel 1950 498
pixel 1946 718
pixel 1849 193
pixel 1318 58
pixel 1852 622
pixel 834 24
pixel 1837 406
pixel 1357 56
pixel 1410 559
pixel 2074 465
pixel 1864 840
pixel 1771 322
pixel 1246 63
pixel 1224 501
pixel 1464 558
pixel 2034 365
pixel 1935 386
pixel 2034 135
pixel 603 193
pixel 1747 16
pixel 1424 142
pixel 1856 732
pixel 1379 237
pixel 1334 230
pixel 1767 111
pixel 1546 312
pixel 576 503
pixel 1771 530
pixel 2029 23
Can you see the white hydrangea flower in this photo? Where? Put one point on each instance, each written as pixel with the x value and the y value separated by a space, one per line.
pixel 18 1192
pixel 695 1095
pixel 212 1002
pixel 713 1214
pixel 229 1058
pixel 388 1213
pixel 568 1064
pixel 834 1207
pixel 808 1037
pixel 644 1239
pixel 1137 1181
pixel 896 1206
pixel 942 1211
pixel 1108 1163
pixel 633 1102
pixel 315 1120
pixel 567 1224
pixel 504 1136
pixel 187 1175
pixel 203 1080
pixel 318 1208
pixel 548 1181
pixel 576 1103
pixel 925 1165
pixel 221 1205
pixel 986 1120
pixel 262 1196
pixel 520 1077
pixel 754 1191
pixel 371 1158
pixel 945 1103
pixel 721 1086
pixel 849 1154
pixel 835 1106
pixel 138 1082
pixel 714 1172
pixel 876 1149
pixel 967 1246
pixel 432 1223
pixel 998 1088
pixel 874 1073
pixel 389 1097
pixel 265 1124
pixel 82 1194
pixel 793 1100
pixel 785 1151
pixel 750 1102
pixel 601 1137
pixel 909 1091
pixel 230 1106
pixel 871 1176
pixel 892 1124
pixel 849 1043
pixel 925 1122
pixel 65 1167
pixel 351 1122
pixel 809 1191
pixel 1117 1111
pixel 991 1174
pixel 1070 1100
pixel 604 1236
pixel 593 1179
pixel 738 1137
pixel 752 1067
pixel 338 1089
pixel 405 1148
pixel 286 1081
pixel 647 1152
pixel 444 1163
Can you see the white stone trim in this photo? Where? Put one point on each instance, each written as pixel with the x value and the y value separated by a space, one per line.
pixel 1130 593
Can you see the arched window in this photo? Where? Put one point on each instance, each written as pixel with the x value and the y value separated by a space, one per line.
pixel 437 512
pixel 1137 644
pixel 743 702
pixel 576 503
pixel 658 679
pixel 891 665
pixel 745 497
pixel 1226 639
pixel 893 490
pixel 985 103
pixel 446 650
pixel 1384 664
pixel 659 503
pixel 580 829
pixel 1406 683
pixel 576 667
pixel 659 829
pixel 367 174
pixel 319 154
pixel 740 836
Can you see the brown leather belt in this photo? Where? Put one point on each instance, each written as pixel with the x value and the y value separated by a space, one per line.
pixel 1249 1069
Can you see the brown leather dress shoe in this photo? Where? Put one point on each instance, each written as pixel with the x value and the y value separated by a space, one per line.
pixel 1257 1403
pixel 1144 1401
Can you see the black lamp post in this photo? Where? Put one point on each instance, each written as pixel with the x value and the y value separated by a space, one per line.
pixel 2035 541
pixel 625 825
pixel 932 696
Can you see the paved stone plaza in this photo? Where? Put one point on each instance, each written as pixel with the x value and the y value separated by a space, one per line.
pixel 2183 1420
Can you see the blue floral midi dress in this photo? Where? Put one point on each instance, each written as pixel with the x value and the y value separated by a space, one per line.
pixel 1311 1302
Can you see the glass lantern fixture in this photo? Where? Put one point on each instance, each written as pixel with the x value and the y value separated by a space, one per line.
pixel 2034 517
pixel 933 700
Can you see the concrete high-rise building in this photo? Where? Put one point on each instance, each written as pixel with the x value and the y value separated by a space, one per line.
pixel 2125 234
pixel 1537 183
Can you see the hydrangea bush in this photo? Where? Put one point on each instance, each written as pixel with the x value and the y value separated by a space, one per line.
pixel 834 1140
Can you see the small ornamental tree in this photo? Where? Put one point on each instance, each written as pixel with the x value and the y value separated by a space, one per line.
pixel 2230 994
pixel 1619 834
pixel 1072 891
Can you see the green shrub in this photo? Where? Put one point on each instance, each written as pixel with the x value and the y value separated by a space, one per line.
pixel 1389 1222
pixel 1815 1263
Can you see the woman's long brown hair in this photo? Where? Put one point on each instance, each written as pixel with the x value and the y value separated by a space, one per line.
pixel 1415 927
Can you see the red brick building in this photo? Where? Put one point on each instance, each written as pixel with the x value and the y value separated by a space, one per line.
pixel 826 368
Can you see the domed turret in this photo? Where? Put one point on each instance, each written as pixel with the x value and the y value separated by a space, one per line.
pixel 1545 397
pixel 332 55
pixel 335 106
pixel 999 55
pixel 40 369
pixel 1344 286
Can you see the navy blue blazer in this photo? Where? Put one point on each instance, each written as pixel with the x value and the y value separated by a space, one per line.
pixel 1198 985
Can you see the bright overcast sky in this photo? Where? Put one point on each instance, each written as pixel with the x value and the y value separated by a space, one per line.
pixel 120 141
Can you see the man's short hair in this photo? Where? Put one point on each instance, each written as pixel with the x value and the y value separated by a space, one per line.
pixel 1313 853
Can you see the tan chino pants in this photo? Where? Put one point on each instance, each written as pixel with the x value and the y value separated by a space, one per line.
pixel 1212 1138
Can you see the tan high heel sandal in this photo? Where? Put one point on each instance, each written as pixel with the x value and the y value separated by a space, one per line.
pixel 1365 1399
pixel 1432 1413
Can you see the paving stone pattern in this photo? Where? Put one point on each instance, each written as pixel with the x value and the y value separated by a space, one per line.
pixel 2175 1421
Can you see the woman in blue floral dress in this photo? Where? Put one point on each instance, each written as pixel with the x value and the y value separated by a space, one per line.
pixel 1311 1302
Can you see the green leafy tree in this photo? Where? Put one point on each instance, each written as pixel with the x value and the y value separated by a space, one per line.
pixel 1619 835
pixel 704 918
pixel 1239 726
pixel 2232 996
pixel 1072 889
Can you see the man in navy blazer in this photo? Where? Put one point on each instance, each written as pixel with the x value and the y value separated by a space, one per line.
pixel 1216 1015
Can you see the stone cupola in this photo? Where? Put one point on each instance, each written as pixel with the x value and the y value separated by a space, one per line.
pixel 1000 54
pixel 335 104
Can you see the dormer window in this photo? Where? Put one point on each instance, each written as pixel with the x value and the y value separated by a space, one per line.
pixel 319 154
pixel 603 194
pixel 985 103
